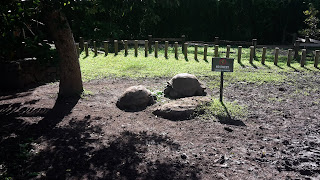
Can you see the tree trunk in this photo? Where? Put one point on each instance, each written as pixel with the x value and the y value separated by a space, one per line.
pixel 70 74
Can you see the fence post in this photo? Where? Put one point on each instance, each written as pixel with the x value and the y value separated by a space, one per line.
pixel 183 40
pixel 156 49
pixel 263 58
pixel 205 52
pixel 316 59
pixel 303 57
pixel 166 49
pixel 146 45
pixel 176 50
pixel 276 56
pixel 239 54
pixel 216 40
pixel 86 48
pixel 136 48
pixel 216 50
pixel 115 47
pixel 106 48
pixel 289 57
pixel 185 52
pixel 228 51
pixel 254 44
pixel 78 49
pixel 95 48
pixel 81 43
pixel 251 54
pixel 125 47
pixel 196 52
pixel 150 43
pixel 296 49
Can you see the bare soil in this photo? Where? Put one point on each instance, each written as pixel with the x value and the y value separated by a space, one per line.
pixel 90 138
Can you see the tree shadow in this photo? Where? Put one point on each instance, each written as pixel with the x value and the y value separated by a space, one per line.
pixel 76 149
pixel 17 134
pixel 228 120
pixel 61 108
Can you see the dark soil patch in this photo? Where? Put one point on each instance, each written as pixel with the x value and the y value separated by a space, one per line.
pixel 90 138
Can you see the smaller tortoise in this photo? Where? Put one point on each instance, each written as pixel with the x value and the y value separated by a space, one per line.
pixel 184 85
pixel 135 98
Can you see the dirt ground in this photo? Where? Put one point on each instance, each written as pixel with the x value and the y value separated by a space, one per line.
pixel 90 138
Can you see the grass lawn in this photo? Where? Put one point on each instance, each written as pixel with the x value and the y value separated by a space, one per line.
pixel 101 66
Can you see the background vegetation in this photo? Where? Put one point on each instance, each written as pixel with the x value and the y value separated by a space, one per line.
pixel 270 21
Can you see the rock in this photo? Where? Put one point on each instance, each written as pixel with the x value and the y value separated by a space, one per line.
pixel 135 98
pixel 181 109
pixel 184 85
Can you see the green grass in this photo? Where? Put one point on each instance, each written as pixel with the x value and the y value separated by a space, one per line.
pixel 101 66
pixel 86 93
pixel 228 110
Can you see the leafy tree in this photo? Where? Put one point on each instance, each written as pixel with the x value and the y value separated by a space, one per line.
pixel 311 21
pixel 21 29
pixel 33 21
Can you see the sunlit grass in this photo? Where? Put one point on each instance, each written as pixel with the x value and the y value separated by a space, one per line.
pixel 101 66
pixel 229 110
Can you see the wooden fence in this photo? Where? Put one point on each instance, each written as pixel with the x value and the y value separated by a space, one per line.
pixel 291 53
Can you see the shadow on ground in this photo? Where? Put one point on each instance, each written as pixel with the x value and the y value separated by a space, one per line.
pixel 76 151
pixel 229 120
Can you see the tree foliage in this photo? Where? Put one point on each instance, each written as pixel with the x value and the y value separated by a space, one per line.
pixel 20 23
pixel 312 22
pixel 270 21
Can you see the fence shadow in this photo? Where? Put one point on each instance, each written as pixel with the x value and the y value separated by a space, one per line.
pixel 278 66
pixel 241 64
pixel 295 70
pixel 266 66
pixel 253 65
pixel 307 68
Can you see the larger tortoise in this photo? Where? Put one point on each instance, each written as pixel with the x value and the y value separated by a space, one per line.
pixel 184 85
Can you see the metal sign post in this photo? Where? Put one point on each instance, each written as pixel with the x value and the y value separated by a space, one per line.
pixel 222 65
pixel 221 86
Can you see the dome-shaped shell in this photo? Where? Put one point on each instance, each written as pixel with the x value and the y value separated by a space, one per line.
pixel 184 85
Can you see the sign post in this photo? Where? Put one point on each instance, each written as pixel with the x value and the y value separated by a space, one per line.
pixel 222 65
